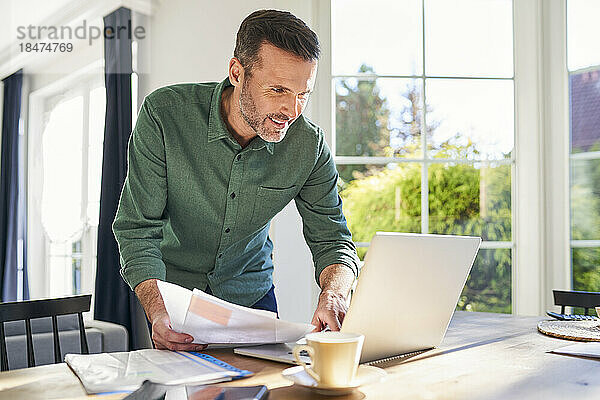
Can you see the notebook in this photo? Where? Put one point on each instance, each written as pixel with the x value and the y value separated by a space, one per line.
pixel 124 372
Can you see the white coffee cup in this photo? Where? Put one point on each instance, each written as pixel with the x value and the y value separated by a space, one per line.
pixel 334 356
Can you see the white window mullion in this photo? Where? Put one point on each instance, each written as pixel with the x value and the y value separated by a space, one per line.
pixel 540 261
pixel 527 206
pixel 321 107
pixel 424 165
pixel 424 198
pixel 557 264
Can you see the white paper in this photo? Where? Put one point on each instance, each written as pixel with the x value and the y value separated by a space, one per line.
pixel 177 300
pixel 591 349
pixel 211 320
pixel 126 371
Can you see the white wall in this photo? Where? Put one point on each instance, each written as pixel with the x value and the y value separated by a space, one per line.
pixel 191 41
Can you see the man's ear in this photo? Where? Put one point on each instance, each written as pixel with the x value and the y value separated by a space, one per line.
pixel 236 72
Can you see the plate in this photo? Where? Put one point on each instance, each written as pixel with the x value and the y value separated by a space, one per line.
pixel 365 375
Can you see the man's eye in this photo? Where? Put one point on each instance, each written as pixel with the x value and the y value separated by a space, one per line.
pixel 277 90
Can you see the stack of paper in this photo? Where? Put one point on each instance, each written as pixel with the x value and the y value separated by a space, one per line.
pixel 211 320
pixel 126 371
pixel 591 349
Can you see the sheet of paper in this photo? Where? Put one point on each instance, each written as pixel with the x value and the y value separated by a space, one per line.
pixel 590 349
pixel 214 321
pixel 126 371
pixel 177 300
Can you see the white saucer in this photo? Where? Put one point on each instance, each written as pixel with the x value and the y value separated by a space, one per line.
pixel 365 375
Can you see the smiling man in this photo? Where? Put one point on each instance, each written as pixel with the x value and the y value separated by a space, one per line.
pixel 209 166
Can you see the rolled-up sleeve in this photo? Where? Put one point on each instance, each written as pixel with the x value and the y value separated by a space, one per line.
pixel 323 222
pixel 138 225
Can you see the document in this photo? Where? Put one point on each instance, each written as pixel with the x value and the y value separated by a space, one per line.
pixel 126 371
pixel 211 320
pixel 590 349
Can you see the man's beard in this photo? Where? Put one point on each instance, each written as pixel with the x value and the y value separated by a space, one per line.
pixel 261 126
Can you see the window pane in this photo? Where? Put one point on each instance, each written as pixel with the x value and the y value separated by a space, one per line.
pixel 61 194
pixel 488 286
pixel 382 198
pixel 470 119
pixel 95 154
pixel 470 199
pixel 469 38
pixel 584 89
pixel 379 117
pixel 60 267
pixel 383 34
pixel 583 46
pixel 586 269
pixel 585 199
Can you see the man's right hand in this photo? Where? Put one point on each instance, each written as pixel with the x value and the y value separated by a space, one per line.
pixel 163 335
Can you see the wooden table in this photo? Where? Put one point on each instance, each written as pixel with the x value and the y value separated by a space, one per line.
pixel 484 356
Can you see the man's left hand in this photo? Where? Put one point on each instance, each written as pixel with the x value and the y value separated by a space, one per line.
pixel 330 311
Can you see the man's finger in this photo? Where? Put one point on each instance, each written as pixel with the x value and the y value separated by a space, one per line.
pixel 162 343
pixel 316 323
pixel 182 347
pixel 159 344
pixel 170 335
pixel 185 347
pixel 330 318
pixel 176 337
pixel 319 324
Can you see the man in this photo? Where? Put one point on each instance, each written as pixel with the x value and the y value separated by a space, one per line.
pixel 209 165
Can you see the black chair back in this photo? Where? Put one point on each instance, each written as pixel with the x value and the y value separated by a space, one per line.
pixel 573 298
pixel 28 310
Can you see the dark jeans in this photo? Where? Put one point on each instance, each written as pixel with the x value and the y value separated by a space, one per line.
pixel 268 302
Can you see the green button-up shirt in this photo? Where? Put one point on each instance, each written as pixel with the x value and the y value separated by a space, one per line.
pixel 195 207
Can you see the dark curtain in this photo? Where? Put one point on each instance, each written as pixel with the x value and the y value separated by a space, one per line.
pixel 114 301
pixel 12 216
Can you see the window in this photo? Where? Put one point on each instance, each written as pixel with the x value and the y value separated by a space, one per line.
pixel 583 59
pixel 424 127
pixel 65 170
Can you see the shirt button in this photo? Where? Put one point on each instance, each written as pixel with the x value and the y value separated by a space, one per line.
pixel 220 255
pixel 232 195
pixel 227 230
pixel 239 157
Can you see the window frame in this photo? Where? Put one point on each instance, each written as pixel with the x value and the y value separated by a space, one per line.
pixel 81 82
pixel 540 185
pixel 579 156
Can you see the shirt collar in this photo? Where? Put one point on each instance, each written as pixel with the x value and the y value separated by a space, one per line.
pixel 216 127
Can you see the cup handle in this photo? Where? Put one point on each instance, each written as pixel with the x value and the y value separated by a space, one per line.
pixel 311 354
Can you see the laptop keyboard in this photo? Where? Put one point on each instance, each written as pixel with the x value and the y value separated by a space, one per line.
pixel 303 353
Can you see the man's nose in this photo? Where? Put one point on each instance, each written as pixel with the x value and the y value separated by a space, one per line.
pixel 291 107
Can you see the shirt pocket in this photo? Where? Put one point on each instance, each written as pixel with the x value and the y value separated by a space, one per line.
pixel 269 201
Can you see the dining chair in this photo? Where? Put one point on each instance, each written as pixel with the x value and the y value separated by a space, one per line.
pixel 32 309
pixel 573 298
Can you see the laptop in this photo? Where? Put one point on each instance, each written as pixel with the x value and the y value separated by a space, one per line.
pixel 405 296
